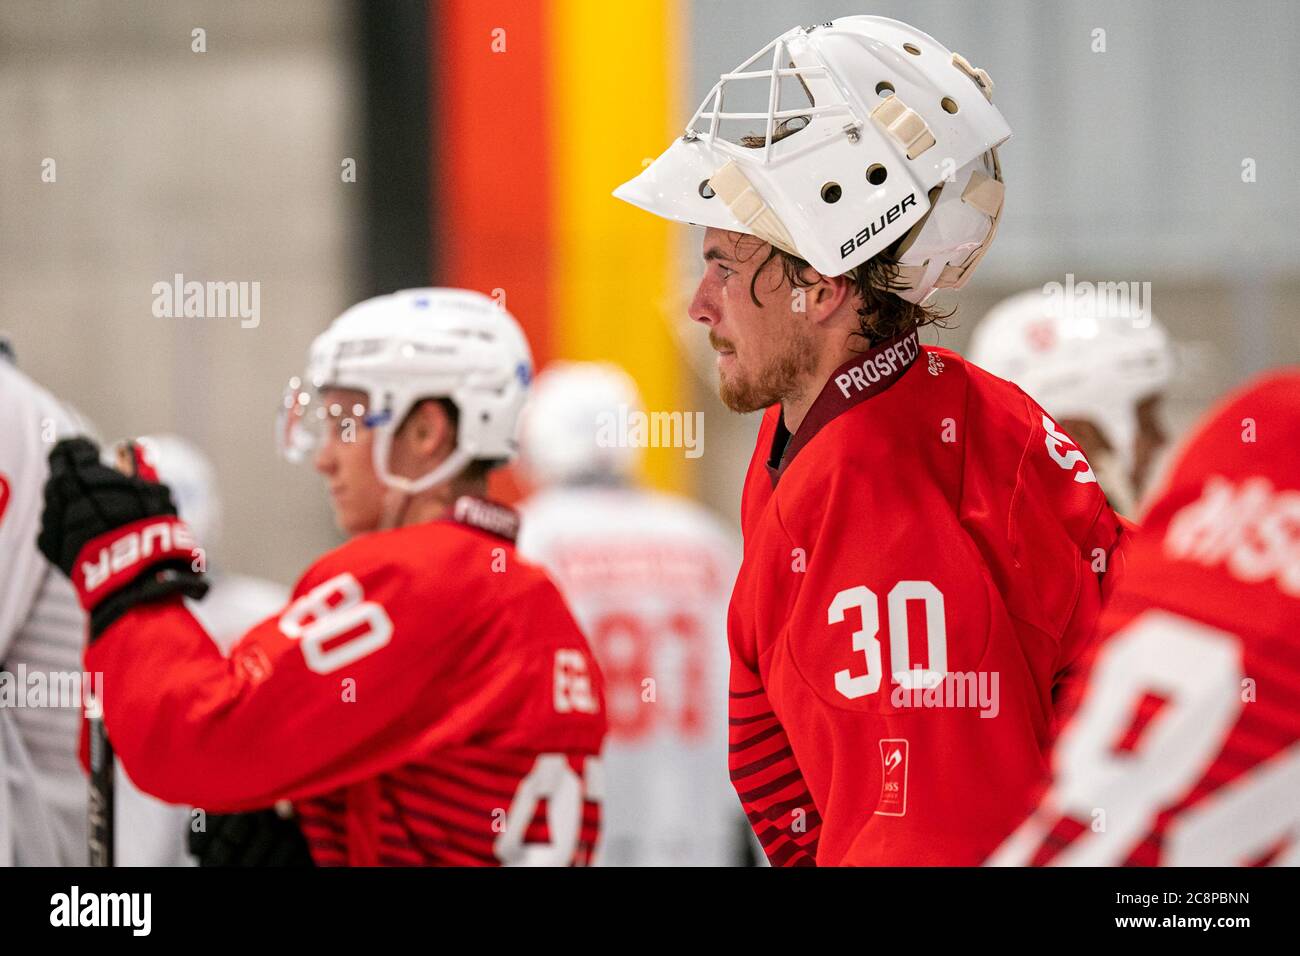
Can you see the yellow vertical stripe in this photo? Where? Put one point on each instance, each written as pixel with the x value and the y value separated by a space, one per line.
pixel 614 105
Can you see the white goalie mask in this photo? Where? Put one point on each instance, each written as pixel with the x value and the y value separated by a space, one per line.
pixel 405 347
pixel 835 141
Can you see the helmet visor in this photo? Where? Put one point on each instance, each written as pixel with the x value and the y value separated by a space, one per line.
pixel 310 417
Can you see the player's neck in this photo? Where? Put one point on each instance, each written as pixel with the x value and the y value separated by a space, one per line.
pixel 436 503
pixel 794 408
pixel 423 507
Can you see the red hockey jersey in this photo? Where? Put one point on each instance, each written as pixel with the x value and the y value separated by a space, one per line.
pixel 425 698
pixel 924 565
pixel 1185 749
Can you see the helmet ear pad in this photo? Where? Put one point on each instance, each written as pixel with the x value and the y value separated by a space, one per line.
pixel 393 458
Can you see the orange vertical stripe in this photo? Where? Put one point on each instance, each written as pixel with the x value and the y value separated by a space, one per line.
pixel 493 170
pixel 529 142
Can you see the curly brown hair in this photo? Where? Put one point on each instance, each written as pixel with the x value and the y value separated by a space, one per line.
pixel 882 313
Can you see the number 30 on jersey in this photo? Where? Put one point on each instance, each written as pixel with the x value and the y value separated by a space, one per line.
pixel 865 641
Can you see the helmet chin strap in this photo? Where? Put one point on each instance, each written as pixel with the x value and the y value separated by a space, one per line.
pixel 399 491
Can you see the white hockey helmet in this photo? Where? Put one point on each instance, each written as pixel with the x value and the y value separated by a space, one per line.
pixel 405 347
pixel 1087 359
pixel 193 483
pixel 569 405
pixel 867 131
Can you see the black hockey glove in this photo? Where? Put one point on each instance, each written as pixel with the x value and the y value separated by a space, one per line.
pixel 263 838
pixel 115 535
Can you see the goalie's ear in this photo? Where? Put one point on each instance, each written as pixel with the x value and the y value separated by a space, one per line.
pixel 827 294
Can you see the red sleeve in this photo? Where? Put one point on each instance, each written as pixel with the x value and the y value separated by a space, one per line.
pixel 1060 519
pixel 339 686
pixel 1102 574
pixel 1052 543
pixel 766 775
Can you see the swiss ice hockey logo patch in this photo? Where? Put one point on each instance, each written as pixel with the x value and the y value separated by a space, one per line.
pixel 893 778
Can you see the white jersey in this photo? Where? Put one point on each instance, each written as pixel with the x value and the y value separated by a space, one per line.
pixel 648 577
pixel 43 790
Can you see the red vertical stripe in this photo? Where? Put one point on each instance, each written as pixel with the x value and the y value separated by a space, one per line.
pixel 491 128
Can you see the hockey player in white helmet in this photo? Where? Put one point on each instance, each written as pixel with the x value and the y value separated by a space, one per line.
pixel 903 508
pixel 648 576
pixel 1099 367
pixel 423 690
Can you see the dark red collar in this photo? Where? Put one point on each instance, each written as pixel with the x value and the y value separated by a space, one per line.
pixel 498 519
pixel 857 380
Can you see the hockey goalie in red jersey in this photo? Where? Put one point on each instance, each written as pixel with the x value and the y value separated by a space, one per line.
pixel 1185 748
pixel 425 698
pixel 925 550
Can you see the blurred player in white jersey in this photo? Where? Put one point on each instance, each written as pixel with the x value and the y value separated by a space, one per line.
pixel 43 790
pixel 148 831
pixel 647 575
pixel 1098 367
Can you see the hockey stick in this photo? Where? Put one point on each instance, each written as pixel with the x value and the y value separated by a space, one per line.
pixel 100 830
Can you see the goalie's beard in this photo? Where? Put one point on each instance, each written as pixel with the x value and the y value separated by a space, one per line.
pixel 785 376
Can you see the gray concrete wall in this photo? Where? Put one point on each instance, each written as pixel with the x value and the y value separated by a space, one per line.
pixel 221 165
